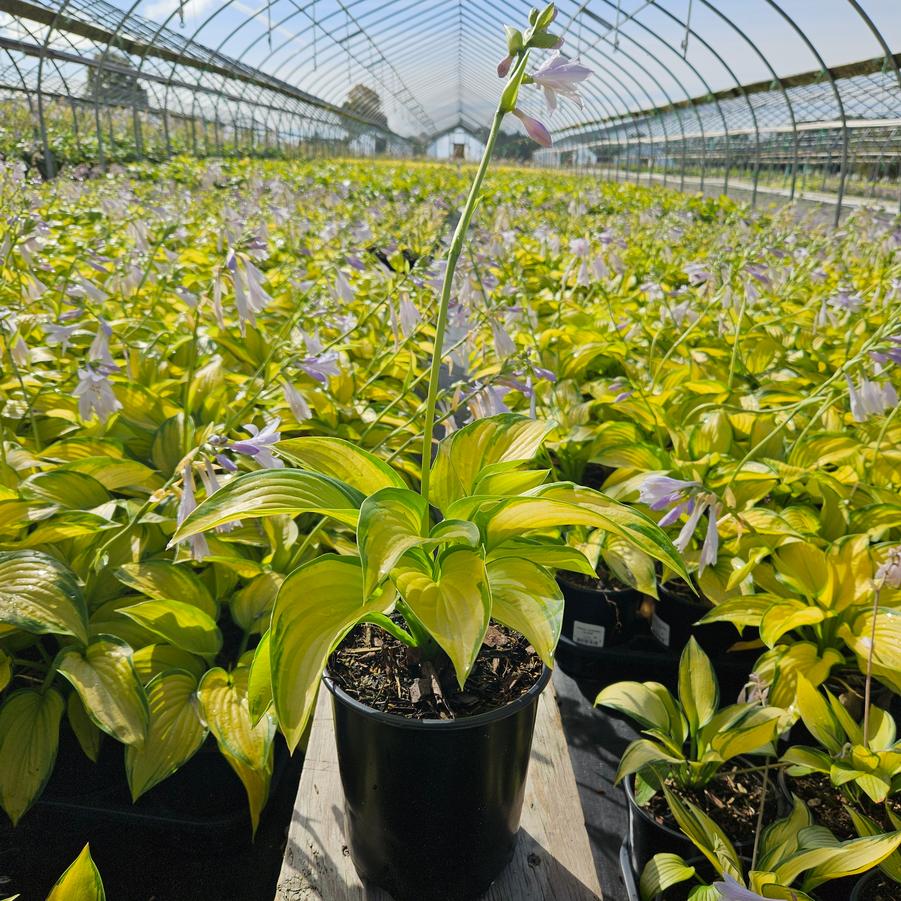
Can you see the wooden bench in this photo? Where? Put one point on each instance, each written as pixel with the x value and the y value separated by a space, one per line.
pixel 553 860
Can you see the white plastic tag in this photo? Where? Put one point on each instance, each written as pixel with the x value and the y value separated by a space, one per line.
pixel 588 634
pixel 660 630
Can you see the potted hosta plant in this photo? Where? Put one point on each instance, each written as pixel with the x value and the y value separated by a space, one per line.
pixel 853 776
pixel 446 593
pixel 686 751
pixel 794 860
pixel 817 611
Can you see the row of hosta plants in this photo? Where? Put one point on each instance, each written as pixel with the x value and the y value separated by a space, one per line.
pixel 168 331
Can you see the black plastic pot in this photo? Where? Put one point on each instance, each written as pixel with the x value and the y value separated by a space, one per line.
pixel 866 886
pixel 600 618
pixel 432 806
pixel 640 659
pixel 625 866
pixel 674 622
pixel 647 837
pixel 203 803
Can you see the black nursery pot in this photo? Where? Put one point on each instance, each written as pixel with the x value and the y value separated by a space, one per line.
pixel 674 623
pixel 646 837
pixel 432 806
pixel 865 888
pixel 599 618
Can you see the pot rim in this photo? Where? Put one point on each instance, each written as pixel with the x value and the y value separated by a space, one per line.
pixel 433 725
pixel 613 593
pixel 866 877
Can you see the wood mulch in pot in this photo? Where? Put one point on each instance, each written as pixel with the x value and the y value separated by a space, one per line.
pixel 376 669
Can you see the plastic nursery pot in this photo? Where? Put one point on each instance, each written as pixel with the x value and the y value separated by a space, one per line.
pixel 868 888
pixel 202 804
pixel 597 618
pixel 631 881
pixel 432 806
pixel 647 837
pixel 673 623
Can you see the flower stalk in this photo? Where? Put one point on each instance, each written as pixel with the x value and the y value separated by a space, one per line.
pixel 506 104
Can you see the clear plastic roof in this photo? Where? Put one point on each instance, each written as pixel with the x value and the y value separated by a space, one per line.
pixel 420 67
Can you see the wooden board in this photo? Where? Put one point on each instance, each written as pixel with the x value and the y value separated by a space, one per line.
pixel 553 860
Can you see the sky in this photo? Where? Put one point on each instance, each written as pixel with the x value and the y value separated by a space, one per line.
pixel 432 61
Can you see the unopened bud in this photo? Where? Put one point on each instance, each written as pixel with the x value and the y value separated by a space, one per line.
pixel 514 40
pixel 503 67
pixel 548 14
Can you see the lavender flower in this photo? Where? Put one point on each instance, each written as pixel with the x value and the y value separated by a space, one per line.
pixel 408 317
pixel 99 351
pixel 558 75
pixel 257 446
pixel 536 130
pixel 343 290
pixel 250 296
pixel 730 890
pixel 95 395
pixel 488 401
pixel 660 492
pixel 504 345
pixel 870 398
pixel 320 366
pixel 711 546
pixel 297 402
pixel 845 300
pixel 199 546
pixel 682 312
pixel 890 354
pixel 20 353
pixel 697 273
pixel 889 573
pixel 60 334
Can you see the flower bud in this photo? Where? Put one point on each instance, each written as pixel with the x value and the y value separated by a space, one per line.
pixel 508 98
pixel 514 39
pixel 503 67
pixel 536 130
pixel 548 14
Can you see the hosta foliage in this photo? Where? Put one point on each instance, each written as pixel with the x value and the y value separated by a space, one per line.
pixel 156 322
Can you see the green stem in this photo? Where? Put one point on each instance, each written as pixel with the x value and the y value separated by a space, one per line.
pixel 759 827
pixel 868 685
pixel 392 628
pixel 421 636
pixel 453 256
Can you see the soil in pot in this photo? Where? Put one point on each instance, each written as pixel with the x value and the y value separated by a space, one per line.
pixel 828 805
pixel 381 672
pixel 731 800
pixel 429 770
pixel 848 684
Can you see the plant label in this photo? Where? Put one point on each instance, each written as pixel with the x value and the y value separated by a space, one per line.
pixel 588 634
